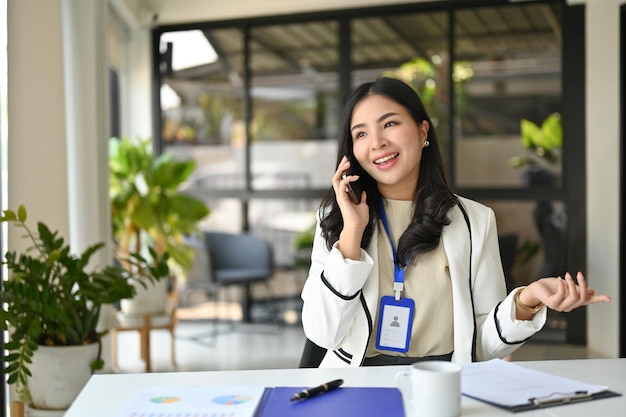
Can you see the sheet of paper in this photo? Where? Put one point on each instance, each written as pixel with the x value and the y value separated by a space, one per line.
pixel 194 401
pixel 505 383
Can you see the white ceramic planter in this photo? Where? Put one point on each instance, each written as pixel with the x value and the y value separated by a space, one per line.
pixel 150 300
pixel 59 374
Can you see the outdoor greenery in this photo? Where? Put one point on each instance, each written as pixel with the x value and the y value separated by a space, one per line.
pixel 543 143
pixel 54 298
pixel 542 159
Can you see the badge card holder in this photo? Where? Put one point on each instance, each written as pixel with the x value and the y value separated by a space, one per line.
pixel 395 322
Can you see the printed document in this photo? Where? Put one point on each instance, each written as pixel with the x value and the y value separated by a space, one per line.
pixel 507 384
pixel 197 401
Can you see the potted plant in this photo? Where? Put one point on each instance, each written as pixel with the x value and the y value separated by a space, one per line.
pixel 53 299
pixel 148 209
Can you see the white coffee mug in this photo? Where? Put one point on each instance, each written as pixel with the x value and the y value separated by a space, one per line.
pixel 431 389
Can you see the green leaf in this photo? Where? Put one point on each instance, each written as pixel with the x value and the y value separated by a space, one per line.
pixel 97 364
pixel 9 215
pixel 11 368
pixel 12 357
pixel 552 131
pixel 14 344
pixel 31 345
pixel 21 213
pixel 530 133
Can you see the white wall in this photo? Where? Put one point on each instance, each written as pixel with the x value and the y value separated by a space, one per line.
pixel 37 153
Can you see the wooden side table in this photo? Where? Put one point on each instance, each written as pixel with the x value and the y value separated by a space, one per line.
pixel 146 323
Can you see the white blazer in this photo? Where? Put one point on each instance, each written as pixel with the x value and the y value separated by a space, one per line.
pixel 341 295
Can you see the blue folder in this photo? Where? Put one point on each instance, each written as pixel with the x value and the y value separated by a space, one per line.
pixel 341 402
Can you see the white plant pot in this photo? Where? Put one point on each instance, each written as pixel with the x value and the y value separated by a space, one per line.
pixel 59 374
pixel 151 300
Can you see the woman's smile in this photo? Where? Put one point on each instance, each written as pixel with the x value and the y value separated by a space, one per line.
pixel 386 160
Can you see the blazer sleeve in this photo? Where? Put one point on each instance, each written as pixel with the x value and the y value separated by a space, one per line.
pixel 499 333
pixel 331 293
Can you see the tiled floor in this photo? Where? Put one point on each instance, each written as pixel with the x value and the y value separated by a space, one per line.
pixel 240 346
pixel 261 346
pixel 202 345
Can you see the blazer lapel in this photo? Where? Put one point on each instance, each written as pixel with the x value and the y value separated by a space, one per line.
pixel 457 244
pixel 371 287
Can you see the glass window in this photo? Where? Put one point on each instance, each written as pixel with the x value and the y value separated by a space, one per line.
pixel 285 223
pixel 263 127
pixel 294 104
pixel 412 47
pixel 202 104
pixel 532 237
pixel 509 59
pixel 507 131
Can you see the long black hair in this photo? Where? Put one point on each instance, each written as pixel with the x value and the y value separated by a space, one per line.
pixel 433 197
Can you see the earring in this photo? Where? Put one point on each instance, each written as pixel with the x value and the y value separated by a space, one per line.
pixel 426 143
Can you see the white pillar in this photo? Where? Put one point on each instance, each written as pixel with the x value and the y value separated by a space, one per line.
pixel 603 171
pixel 86 118
pixel 87 125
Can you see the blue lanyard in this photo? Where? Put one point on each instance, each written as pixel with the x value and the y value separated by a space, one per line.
pixel 398 272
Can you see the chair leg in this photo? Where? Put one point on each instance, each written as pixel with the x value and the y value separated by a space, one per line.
pixel 145 341
pixel 172 340
pixel 114 347
pixel 17 409
pixel 245 303
pixel 273 308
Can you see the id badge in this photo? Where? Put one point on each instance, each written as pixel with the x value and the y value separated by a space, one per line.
pixel 395 322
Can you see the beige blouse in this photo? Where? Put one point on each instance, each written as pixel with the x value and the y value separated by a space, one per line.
pixel 427 282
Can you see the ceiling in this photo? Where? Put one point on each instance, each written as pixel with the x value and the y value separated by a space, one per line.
pixel 500 42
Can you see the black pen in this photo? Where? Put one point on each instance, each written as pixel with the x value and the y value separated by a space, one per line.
pixel 312 392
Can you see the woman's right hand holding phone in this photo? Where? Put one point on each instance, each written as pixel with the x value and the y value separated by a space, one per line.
pixel 355 216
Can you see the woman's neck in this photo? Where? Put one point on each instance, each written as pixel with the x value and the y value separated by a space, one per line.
pixel 395 192
pixel 404 189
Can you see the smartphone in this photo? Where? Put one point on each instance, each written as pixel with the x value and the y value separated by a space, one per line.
pixel 351 194
pixel 353 188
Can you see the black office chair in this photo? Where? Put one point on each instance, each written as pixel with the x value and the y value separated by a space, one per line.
pixel 239 259
pixel 312 355
pixel 508 247
pixel 228 259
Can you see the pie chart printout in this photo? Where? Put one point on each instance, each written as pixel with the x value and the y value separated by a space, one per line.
pixel 232 399
pixel 194 401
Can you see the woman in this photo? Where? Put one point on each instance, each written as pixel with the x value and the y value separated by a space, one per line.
pixel 409 271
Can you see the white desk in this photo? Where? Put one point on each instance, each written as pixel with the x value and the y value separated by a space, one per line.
pixel 105 395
